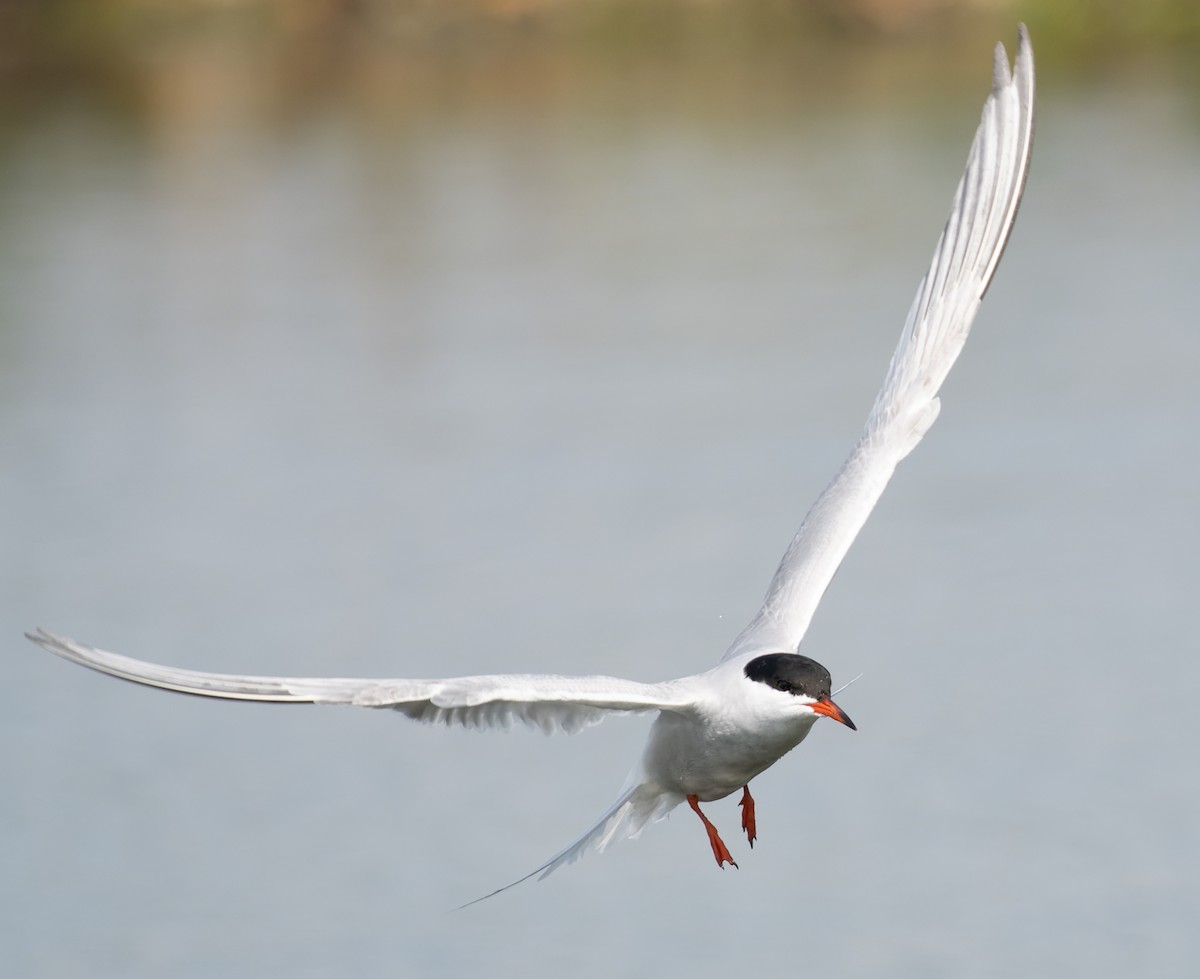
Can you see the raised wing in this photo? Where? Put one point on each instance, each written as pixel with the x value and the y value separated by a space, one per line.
pixel 552 703
pixel 947 300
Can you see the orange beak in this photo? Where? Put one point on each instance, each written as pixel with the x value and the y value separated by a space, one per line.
pixel 828 708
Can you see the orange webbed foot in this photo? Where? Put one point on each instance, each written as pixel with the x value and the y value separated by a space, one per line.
pixel 748 824
pixel 719 849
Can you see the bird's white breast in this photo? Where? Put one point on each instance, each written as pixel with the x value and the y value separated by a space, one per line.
pixel 735 734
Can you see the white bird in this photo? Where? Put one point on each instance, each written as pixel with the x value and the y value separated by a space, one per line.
pixel 716 731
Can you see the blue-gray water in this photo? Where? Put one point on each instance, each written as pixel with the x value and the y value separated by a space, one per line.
pixel 548 387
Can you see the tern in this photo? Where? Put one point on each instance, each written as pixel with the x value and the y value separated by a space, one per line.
pixel 714 732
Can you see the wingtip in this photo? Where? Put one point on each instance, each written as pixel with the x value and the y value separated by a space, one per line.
pixel 1022 63
pixel 48 640
pixel 1001 74
pixel 1024 59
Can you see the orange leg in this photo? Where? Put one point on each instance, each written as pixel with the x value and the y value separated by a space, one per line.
pixel 719 849
pixel 748 825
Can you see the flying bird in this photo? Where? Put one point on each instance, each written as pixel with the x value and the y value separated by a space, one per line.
pixel 715 731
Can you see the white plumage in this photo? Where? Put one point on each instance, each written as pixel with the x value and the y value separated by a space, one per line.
pixel 715 731
pixel 964 261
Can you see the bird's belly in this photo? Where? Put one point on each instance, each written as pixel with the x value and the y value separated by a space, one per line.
pixel 711 761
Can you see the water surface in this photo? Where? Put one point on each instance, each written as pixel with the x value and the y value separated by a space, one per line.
pixel 546 384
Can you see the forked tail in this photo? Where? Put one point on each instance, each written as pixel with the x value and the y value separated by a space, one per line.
pixel 639 804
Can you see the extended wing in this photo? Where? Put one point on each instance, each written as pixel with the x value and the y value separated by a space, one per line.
pixel 947 300
pixel 552 703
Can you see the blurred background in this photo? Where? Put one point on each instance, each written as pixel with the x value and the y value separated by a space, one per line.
pixel 416 339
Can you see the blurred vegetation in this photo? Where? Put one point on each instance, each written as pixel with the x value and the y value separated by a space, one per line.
pixel 290 52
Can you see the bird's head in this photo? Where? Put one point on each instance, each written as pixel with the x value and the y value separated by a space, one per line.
pixel 803 678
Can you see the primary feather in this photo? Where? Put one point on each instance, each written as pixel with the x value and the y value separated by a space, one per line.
pixel 947 300
pixel 552 703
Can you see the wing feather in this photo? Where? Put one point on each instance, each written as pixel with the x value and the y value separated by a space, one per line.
pixel 549 702
pixel 964 262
